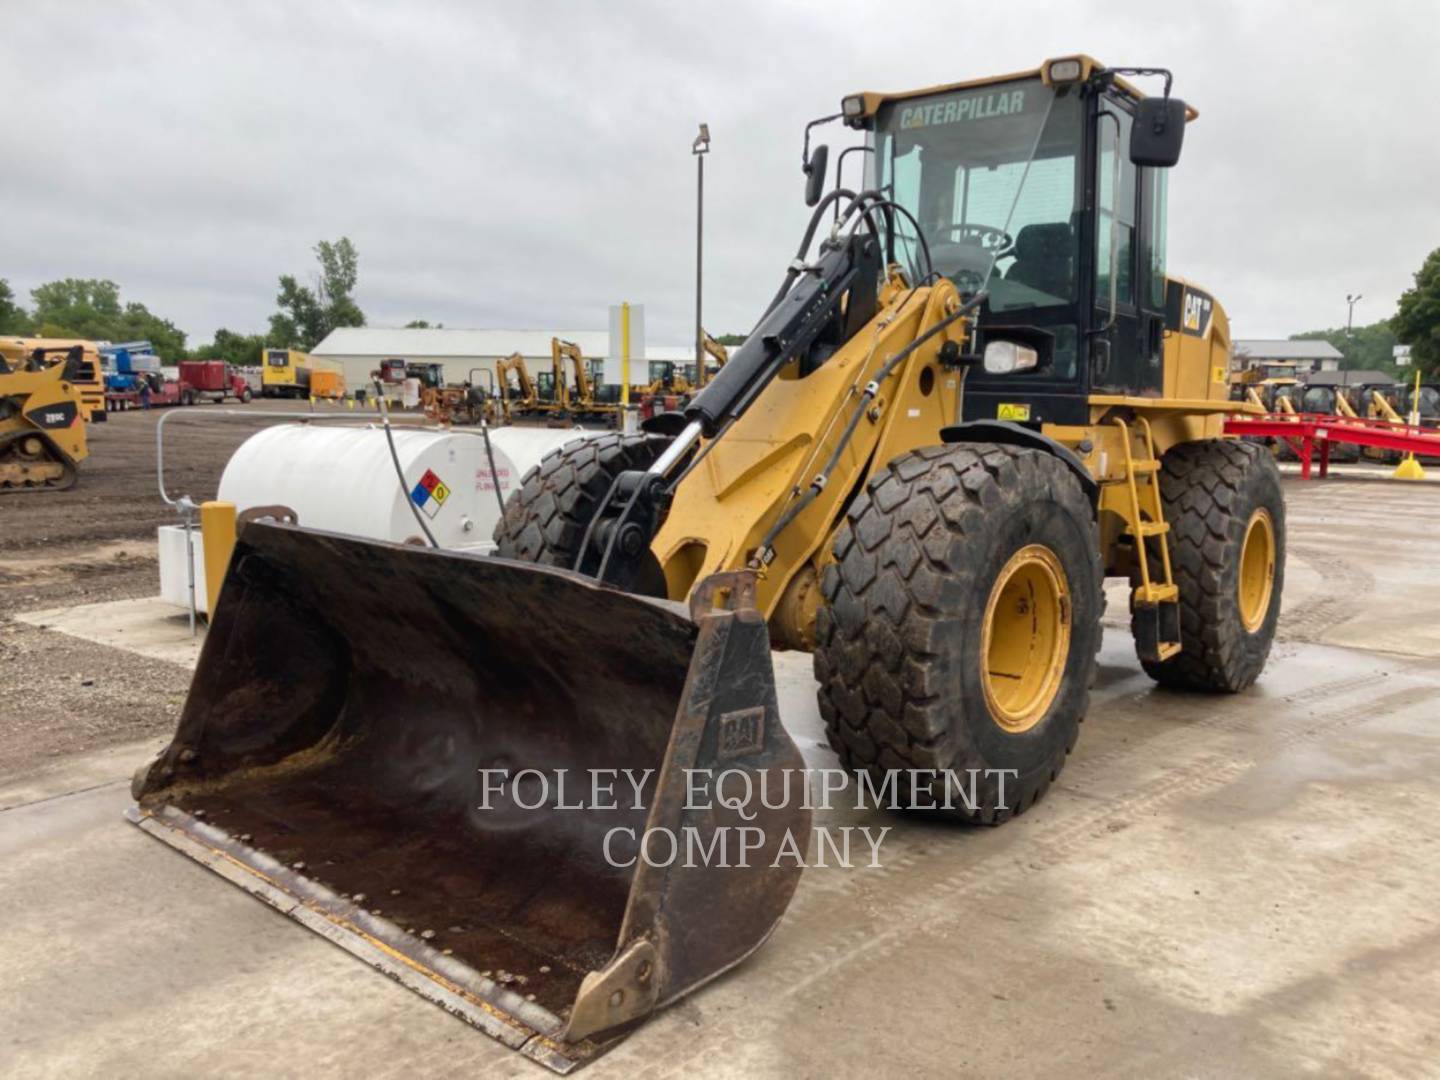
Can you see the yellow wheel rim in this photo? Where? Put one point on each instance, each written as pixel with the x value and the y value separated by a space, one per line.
pixel 1257 569
pixel 1026 638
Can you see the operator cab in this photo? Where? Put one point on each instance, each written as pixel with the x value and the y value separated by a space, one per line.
pixel 1426 403
pixel 1046 190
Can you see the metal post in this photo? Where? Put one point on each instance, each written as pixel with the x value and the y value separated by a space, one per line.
pixel 624 355
pixel 700 148
pixel 699 257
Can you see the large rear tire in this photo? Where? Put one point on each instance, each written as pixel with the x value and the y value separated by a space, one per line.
pixel 1223 501
pixel 545 520
pixel 960 623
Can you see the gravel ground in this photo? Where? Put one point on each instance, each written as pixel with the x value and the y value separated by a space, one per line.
pixel 60 695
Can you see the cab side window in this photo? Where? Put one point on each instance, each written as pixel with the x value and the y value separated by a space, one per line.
pixel 1116 210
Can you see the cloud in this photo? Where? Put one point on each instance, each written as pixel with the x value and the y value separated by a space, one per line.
pixel 528 164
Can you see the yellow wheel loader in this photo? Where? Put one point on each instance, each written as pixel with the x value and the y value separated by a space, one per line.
pixel 978 395
pixel 42 427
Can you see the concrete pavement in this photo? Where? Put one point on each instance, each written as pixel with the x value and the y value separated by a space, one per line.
pixel 1218 886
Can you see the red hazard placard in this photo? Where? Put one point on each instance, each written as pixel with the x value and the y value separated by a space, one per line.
pixel 429 480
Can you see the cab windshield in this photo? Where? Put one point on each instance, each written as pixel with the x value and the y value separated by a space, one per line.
pixel 993 177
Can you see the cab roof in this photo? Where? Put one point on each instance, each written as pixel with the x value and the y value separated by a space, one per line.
pixel 872 100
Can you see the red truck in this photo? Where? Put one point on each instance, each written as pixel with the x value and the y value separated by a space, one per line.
pixel 213 380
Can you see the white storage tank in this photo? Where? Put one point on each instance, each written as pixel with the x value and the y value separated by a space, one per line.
pixel 342 479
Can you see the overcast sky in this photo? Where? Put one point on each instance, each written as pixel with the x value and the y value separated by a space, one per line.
pixel 525 164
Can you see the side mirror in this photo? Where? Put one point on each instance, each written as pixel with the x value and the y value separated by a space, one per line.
pixel 815 174
pixel 1007 357
pixel 1158 132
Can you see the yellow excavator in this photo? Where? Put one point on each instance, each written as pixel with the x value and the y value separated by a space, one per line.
pixel 976 393
pixel 42 426
pixel 716 351
pixel 521 397
pixel 577 398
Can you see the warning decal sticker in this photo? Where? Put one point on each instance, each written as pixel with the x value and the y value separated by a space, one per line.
pixel 1013 411
pixel 430 494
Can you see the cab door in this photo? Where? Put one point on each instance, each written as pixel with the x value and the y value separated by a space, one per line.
pixel 1127 343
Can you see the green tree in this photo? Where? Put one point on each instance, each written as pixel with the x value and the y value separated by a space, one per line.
pixel 1371 347
pixel 1417 323
pixel 91 308
pixel 424 324
pixel 77 307
pixel 13 318
pixel 306 315
pixel 242 350
pixel 299 324
pixel 731 339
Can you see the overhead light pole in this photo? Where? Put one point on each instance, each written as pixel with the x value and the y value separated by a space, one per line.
pixel 700 147
pixel 1351 301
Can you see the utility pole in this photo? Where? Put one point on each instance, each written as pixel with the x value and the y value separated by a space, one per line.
pixel 1350 323
pixel 700 147
pixel 1350 319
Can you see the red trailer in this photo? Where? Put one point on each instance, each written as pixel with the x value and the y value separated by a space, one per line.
pixel 162 392
pixel 200 380
pixel 213 380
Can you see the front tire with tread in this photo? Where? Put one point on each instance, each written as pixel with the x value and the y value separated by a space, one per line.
pixel 546 518
pixel 899 656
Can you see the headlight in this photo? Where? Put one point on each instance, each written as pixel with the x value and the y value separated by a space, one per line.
pixel 1063 71
pixel 1008 357
pixel 853 106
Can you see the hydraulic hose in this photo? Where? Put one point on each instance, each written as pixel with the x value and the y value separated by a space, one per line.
pixel 793 271
pixel 399 471
pixel 494 472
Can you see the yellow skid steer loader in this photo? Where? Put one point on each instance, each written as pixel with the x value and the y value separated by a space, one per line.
pixel 42 428
pixel 976 397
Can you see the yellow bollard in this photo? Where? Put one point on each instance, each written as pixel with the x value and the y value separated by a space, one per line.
pixel 217 542
pixel 1409 468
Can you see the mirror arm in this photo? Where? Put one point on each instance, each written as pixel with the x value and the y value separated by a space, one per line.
pixel 1140 72
pixel 805 150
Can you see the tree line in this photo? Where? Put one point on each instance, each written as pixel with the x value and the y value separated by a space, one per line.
pixel 1416 323
pixel 92 309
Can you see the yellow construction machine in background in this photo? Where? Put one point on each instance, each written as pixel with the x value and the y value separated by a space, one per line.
pixel 42 426
pixel 84 367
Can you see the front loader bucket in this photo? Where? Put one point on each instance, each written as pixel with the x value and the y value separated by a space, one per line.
pixel 331 759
